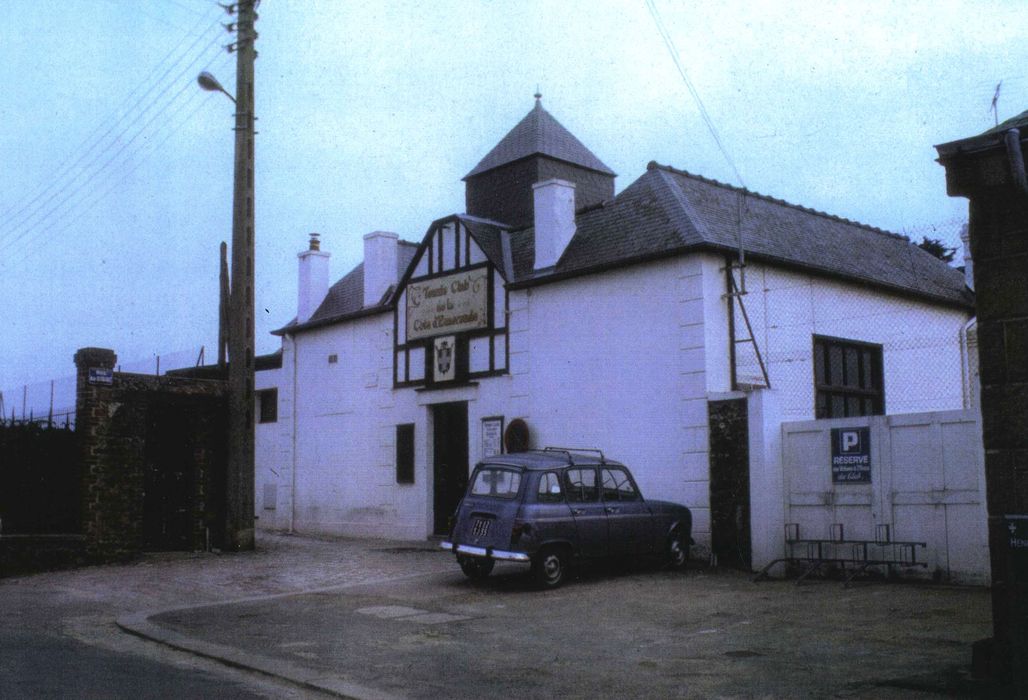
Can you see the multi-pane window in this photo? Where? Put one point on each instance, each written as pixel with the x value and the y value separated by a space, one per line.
pixel 267 408
pixel 847 378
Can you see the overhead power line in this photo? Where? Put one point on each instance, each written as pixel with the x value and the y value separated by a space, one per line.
pixel 121 111
pixel 102 140
pixel 63 196
pixel 670 44
pixel 170 127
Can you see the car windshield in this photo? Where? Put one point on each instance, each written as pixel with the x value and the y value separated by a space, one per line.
pixel 496 482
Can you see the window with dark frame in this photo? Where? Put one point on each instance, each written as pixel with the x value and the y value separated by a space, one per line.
pixel 267 405
pixel 405 453
pixel 847 379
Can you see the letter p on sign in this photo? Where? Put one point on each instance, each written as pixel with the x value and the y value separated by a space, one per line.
pixel 850 440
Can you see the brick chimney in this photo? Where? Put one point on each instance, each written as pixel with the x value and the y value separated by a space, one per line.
pixel 381 258
pixel 313 284
pixel 554 204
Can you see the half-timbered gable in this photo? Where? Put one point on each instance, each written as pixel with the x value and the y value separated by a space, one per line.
pixel 451 307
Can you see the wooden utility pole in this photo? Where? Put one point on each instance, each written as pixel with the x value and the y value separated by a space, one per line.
pixel 239 506
pixel 223 298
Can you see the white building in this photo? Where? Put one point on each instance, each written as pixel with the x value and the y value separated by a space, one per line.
pixel 596 320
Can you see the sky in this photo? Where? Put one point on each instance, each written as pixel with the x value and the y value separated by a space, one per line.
pixel 116 185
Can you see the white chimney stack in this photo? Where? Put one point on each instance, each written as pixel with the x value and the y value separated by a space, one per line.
pixel 313 284
pixel 554 202
pixel 380 263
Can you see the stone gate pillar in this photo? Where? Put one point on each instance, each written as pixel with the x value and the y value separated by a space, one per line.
pixel 989 170
pixel 93 388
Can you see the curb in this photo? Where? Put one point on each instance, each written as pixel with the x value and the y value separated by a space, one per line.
pixel 139 625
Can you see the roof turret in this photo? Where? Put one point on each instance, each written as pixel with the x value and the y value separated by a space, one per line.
pixel 539 134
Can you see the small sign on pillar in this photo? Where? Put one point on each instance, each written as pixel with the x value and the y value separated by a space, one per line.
pixel 101 375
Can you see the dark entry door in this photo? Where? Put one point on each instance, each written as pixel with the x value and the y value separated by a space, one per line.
pixel 450 457
pixel 730 483
pixel 169 478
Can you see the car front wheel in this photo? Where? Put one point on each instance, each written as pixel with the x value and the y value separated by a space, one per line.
pixel 549 567
pixel 476 568
pixel 677 551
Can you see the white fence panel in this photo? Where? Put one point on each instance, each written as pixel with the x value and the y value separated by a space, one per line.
pixel 927 484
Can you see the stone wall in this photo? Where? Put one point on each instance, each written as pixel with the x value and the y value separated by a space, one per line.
pixel 126 424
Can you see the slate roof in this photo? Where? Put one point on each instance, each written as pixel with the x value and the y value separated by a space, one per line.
pixel 986 139
pixel 672 212
pixel 668 211
pixel 493 238
pixel 345 298
pixel 539 134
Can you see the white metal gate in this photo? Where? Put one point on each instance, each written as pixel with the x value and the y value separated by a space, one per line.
pixel 927 484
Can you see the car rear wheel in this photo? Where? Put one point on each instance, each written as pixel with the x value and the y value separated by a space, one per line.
pixel 476 568
pixel 677 551
pixel 550 567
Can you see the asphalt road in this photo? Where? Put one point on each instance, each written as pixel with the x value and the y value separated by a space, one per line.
pixel 36 664
pixel 60 641
pixel 614 633
pixel 399 619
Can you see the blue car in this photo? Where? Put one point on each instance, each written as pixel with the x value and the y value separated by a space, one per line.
pixel 548 508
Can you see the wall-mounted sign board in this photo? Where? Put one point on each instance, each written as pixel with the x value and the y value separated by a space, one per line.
pixel 851 455
pixel 448 304
pixel 101 375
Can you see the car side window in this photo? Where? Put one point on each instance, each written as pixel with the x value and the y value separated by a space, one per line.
pixel 549 488
pixel 580 485
pixel 617 486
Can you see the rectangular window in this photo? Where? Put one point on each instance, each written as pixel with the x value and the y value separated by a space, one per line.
pixel 617 486
pixel 580 485
pixel 549 488
pixel 267 405
pixel 405 453
pixel 847 379
pixel 496 482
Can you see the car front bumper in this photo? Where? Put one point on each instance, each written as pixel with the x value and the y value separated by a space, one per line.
pixel 487 552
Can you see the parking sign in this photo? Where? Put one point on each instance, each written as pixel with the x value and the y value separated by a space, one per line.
pixel 851 455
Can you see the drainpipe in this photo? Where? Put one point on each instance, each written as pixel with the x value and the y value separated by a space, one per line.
pixel 966 368
pixel 1012 140
pixel 292 440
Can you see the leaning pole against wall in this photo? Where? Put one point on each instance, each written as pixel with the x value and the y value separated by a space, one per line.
pixel 989 171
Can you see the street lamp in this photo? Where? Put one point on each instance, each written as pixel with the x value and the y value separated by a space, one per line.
pixel 210 83
pixel 239 501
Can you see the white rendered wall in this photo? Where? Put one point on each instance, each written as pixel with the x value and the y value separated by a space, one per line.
pixel 921 353
pixel 612 361
pixel 920 341
pixel 347 413
pixel 345 475
pixel 273 449
pixel 615 362
pixel 624 361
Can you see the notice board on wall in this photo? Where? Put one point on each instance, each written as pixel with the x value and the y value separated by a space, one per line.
pixel 851 455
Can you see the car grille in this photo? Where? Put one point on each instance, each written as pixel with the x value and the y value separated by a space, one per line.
pixel 480 528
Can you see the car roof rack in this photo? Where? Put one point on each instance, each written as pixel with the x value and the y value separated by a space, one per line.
pixel 569 450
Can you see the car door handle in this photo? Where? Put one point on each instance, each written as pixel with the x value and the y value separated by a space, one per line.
pixel 613 510
pixel 578 511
